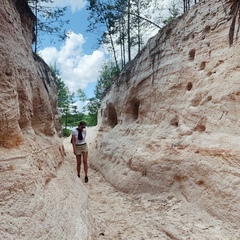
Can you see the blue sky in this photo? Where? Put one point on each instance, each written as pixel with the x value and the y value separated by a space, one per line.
pixel 77 58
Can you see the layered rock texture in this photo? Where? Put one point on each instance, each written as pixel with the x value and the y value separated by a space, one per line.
pixel 168 129
pixel 170 124
pixel 40 198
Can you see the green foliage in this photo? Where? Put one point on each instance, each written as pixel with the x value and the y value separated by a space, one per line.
pixel 72 120
pixel 64 98
pixel 92 107
pixel 81 95
pixel 49 21
pixel 91 120
pixel 174 13
pixel 102 15
pixel 234 6
pixel 66 132
pixel 122 22
pixel 70 115
pixel 105 81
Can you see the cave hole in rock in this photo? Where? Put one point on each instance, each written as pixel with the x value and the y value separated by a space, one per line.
pixel 192 54
pixel 23 123
pixel 186 38
pixel 112 119
pixel 132 109
pixel 135 108
pixel 197 98
pixel 202 65
pixel 168 31
pixel 196 101
pixel 200 128
pixel 174 122
pixel 209 98
pixel 207 29
pixel 189 86
pixel 209 73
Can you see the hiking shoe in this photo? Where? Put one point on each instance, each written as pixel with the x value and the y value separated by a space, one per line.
pixel 86 179
pixel 78 175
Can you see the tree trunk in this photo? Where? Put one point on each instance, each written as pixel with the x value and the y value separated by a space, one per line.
pixel 128 31
pixel 138 29
pixel 123 43
pixel 36 27
pixel 114 51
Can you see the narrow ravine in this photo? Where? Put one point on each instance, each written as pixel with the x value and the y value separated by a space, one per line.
pixel 119 215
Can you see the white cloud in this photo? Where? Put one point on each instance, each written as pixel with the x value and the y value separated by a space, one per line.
pixel 76 68
pixel 49 54
pixel 80 105
pixel 75 5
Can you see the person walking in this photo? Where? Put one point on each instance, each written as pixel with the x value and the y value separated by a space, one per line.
pixel 80 148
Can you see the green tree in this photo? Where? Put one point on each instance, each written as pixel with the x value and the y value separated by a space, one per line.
pixel 234 6
pixel 92 108
pixel 140 22
pixel 102 16
pixel 174 12
pixel 188 3
pixel 64 99
pixel 104 83
pixel 48 21
pixel 74 109
pixel 106 79
pixel 81 95
pixel 75 117
pixel 121 21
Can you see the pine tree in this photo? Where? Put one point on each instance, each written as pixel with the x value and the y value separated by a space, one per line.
pixel 49 21
pixel 234 6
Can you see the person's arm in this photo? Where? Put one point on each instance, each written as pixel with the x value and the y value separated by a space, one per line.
pixel 74 143
pixel 85 134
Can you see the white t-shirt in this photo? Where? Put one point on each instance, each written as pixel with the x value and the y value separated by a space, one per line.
pixel 84 134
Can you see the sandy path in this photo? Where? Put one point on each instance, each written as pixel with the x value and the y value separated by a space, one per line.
pixel 141 217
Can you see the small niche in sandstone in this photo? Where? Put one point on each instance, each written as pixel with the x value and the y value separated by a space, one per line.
pixel 200 128
pixel 168 31
pixel 144 172
pixel 196 100
pixel 209 98
pixel 200 182
pixel 191 54
pixel 189 86
pixel 186 38
pixel 133 108
pixel 202 65
pixel 180 178
pixel 111 115
pixel 207 29
pixel 209 73
pixel 174 122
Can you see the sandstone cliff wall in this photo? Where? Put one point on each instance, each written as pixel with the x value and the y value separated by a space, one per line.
pixel 170 123
pixel 40 196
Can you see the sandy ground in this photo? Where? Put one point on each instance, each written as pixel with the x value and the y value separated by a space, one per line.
pixel 141 217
